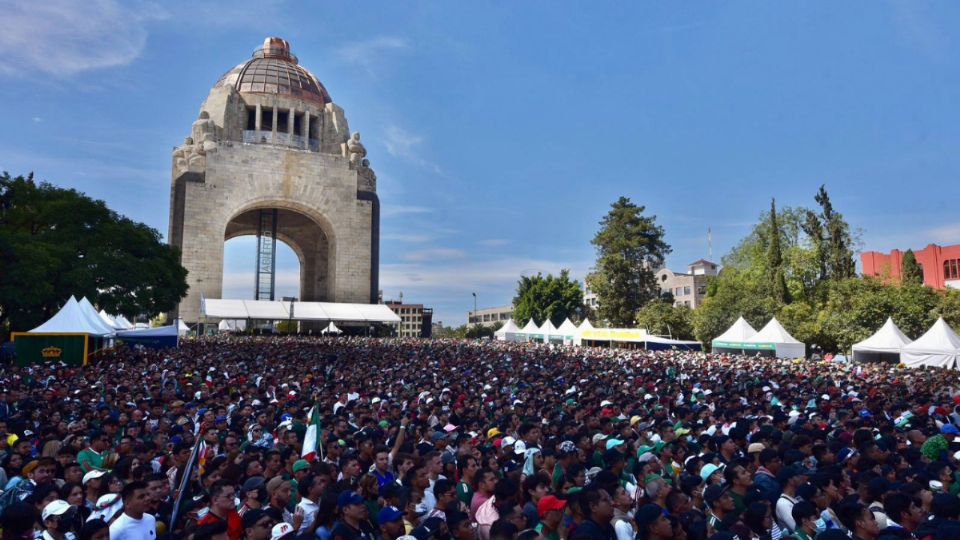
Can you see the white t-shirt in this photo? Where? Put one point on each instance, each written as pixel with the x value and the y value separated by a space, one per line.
pixel 127 528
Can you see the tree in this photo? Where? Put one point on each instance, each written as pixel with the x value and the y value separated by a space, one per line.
pixel 831 239
pixel 555 298
pixel 778 285
pixel 630 247
pixel 665 319
pixel 910 271
pixel 57 242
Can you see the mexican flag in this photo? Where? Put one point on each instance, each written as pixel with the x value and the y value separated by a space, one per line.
pixel 311 441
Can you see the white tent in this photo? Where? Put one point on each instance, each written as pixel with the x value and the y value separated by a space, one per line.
pixel 71 319
pixel 278 310
pixel 530 331
pixel 548 330
pixel 227 325
pixel 887 342
pixel 91 314
pixel 775 337
pixel 567 331
pixel 939 347
pixel 585 325
pixel 182 328
pixel 110 321
pixel 507 332
pixel 122 321
pixel 331 329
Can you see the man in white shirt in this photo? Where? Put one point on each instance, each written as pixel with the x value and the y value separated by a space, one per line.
pixel 134 523
pixel 310 489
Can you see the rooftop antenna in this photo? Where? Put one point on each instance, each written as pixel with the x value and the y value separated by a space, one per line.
pixel 709 244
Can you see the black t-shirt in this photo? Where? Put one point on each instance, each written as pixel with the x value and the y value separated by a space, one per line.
pixel 343 531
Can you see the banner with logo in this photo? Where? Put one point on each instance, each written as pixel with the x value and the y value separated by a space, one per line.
pixel 71 349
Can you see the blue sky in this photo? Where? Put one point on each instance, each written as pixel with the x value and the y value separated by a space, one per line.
pixel 502 131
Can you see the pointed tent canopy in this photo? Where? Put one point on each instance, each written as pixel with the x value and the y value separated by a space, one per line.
pixel 182 327
pixel 567 329
pixel 530 328
pixel 70 319
pixel 94 317
pixel 124 322
pixel 331 329
pixel 939 347
pixel 887 340
pixel 508 327
pixel 738 331
pixel 784 345
pixel 548 330
pixel 585 325
pixel 110 321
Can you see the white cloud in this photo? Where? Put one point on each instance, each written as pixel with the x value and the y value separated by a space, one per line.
pixel 397 210
pixel 433 254
pixel 405 145
pixel 494 242
pixel 411 238
pixel 64 37
pixel 369 54
pixel 37 119
pixel 945 234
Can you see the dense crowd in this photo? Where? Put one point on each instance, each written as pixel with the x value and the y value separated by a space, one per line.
pixel 439 440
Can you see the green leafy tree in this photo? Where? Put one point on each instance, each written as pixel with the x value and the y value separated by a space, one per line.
pixel 733 294
pixel 57 242
pixel 949 308
pixel 477 331
pixel 665 319
pixel 831 238
pixel 551 297
pixel 910 271
pixel 629 247
pixel 778 285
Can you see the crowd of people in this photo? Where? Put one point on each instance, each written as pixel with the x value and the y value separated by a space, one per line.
pixel 270 438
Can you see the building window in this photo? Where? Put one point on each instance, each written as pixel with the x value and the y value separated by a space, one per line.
pixel 678 291
pixel 951 269
pixel 702 289
pixel 686 291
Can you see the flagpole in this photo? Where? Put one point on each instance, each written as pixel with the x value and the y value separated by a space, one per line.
pixel 185 481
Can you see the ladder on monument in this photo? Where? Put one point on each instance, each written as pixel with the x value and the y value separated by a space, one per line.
pixel 267 255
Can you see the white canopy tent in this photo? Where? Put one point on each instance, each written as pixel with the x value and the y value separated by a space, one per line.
pixel 939 347
pixel 530 331
pixel 734 338
pixel 92 315
pixel 110 320
pixel 886 343
pixel 567 331
pixel 508 332
pixel 585 325
pixel 302 311
pixel 72 319
pixel 548 330
pixel 774 336
pixel 331 329
pixel 122 321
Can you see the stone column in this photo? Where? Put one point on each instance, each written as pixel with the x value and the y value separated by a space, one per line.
pixel 258 121
pixel 306 130
pixel 291 117
pixel 273 129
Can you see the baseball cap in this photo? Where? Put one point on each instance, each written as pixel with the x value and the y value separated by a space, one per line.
pixel 493 432
pixel 786 473
pixel 281 530
pixel 647 514
pixel 388 514
pixel 711 494
pixel 274 483
pixel 612 443
pixel 755 448
pixel 252 516
pixel 349 497
pixel 507 441
pixel 300 465
pixel 548 503
pixel 709 469
pixel 93 474
pixel 567 447
pixel 55 508
pixel 252 483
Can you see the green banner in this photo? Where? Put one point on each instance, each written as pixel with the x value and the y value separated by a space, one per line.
pixel 70 349
pixel 744 345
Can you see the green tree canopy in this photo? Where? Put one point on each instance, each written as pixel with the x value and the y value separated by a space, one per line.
pixel 58 242
pixel 630 246
pixel 665 319
pixel 910 272
pixel 547 297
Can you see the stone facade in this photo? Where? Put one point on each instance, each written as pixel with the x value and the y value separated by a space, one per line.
pixel 259 145
pixel 688 289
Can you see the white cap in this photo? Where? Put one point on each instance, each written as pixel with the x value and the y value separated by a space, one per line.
pixel 55 508
pixel 93 474
pixel 107 507
pixel 605 403
pixel 281 530
pixel 507 441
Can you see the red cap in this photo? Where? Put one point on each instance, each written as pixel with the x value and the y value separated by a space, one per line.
pixel 548 503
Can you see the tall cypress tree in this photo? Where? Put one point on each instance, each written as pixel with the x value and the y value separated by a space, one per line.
pixel 911 273
pixel 778 284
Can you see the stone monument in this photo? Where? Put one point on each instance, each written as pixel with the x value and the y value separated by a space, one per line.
pixel 271 155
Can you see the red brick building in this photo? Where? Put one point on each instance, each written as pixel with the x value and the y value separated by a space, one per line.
pixel 941 265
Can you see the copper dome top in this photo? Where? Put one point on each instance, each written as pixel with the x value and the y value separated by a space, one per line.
pixel 274 70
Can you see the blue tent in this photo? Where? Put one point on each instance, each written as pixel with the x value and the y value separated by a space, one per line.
pixel 153 338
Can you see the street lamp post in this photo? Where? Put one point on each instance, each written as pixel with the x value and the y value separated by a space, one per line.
pixel 475 307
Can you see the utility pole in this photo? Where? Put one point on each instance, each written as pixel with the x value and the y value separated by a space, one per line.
pixel 474 314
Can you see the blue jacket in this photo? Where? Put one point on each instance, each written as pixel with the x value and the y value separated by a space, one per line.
pixel 768 486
